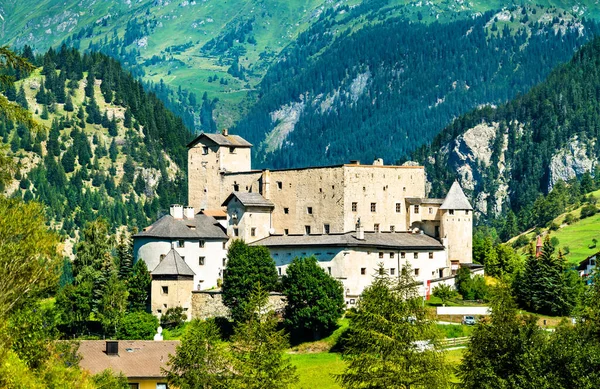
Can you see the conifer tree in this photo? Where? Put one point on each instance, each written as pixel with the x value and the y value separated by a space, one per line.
pixel 69 104
pixel 125 255
pixel 139 286
pixel 21 98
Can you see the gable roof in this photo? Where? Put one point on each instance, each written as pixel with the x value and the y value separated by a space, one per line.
pixel 249 199
pixel 136 359
pixel 200 227
pixel 396 240
pixel 172 265
pixel 221 140
pixel 456 199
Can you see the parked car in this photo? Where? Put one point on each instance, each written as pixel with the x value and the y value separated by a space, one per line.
pixel 469 320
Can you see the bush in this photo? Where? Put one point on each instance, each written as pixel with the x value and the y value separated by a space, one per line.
pixel 138 325
pixel 570 218
pixel 521 241
pixel 554 241
pixel 588 210
pixel 173 318
pixel 553 226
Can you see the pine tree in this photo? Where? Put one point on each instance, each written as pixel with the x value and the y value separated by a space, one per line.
pixel 139 286
pixel 89 86
pixel 113 152
pixel 21 98
pixel 125 256
pixel 69 104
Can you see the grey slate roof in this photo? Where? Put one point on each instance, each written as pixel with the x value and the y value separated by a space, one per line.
pixel 249 199
pixel 222 140
pixel 396 240
pixel 172 265
pixel 421 200
pixel 200 227
pixel 456 199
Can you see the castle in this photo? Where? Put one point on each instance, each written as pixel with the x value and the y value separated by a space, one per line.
pixel 351 217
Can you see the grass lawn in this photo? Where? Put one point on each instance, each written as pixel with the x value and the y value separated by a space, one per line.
pixel 315 370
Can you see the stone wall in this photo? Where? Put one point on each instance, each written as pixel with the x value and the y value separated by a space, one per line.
pixel 209 303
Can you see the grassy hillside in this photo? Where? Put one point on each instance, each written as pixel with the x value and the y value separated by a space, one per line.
pixel 575 239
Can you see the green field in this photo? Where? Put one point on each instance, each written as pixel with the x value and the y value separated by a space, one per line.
pixel 316 370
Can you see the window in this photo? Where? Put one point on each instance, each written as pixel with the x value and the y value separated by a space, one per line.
pixel 236 187
pixel 201 261
pixel 134 386
pixel 224 245
pixel 451 212
pixel 279 270
pixel 307 230
pixel 326 228
pixel 236 231
pixel 416 272
pixel 373 207
pixel 430 255
pixel 363 271
pixel 162 256
pixel 165 290
pixel 403 255
pixel 352 301
pixel 392 228
pixel 398 207
pixel 381 255
pixel 232 150
pixel 286 232
pixel 329 270
pixel 279 185
pixel 392 254
pixel 354 207
pixel 309 210
pixel 205 150
pixel 201 243
pixel 392 271
pixel 180 243
pixel 416 209
pixel 224 262
pixel 162 386
pixel 466 212
pixel 376 227
pixel 253 231
pixel 430 210
pixel 286 210
pixel 416 256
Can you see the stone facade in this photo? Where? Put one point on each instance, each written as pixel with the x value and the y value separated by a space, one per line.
pixel 170 292
pixel 209 303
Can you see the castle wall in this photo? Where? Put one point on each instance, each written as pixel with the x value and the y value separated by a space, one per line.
pixel 252 224
pixel 177 294
pixel 209 304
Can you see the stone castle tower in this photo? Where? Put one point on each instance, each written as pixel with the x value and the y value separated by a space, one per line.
pixel 456 225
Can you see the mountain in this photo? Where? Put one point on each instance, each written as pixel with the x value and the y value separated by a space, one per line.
pixel 508 157
pixel 219 47
pixel 109 149
pixel 389 87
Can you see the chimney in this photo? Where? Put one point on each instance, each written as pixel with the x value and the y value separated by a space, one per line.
pixel 265 189
pixel 112 347
pixel 378 162
pixel 188 212
pixel 225 132
pixel 360 231
pixel 176 211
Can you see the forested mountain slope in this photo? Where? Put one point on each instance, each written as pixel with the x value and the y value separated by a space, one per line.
pixel 391 86
pixel 109 148
pixel 508 157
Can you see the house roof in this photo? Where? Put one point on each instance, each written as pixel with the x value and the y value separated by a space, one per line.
pixel 216 213
pixel 249 199
pixel 200 227
pixel 422 200
pixel 456 199
pixel 396 240
pixel 221 140
pixel 172 265
pixel 136 358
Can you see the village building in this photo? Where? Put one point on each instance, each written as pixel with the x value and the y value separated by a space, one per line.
pixel 351 217
pixel 141 361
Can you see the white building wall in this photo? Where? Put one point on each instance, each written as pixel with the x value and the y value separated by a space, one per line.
pixel 214 253
pixel 347 265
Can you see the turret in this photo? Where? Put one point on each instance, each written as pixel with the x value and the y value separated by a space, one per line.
pixel 456 226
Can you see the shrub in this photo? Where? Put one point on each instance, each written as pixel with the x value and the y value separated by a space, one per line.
pixel 138 325
pixel 553 226
pixel 570 218
pixel 173 318
pixel 588 210
pixel 521 241
pixel 554 241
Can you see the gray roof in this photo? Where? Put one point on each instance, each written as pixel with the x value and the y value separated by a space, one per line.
pixel 422 200
pixel 222 140
pixel 200 227
pixel 396 240
pixel 249 199
pixel 456 199
pixel 172 265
